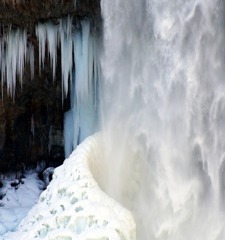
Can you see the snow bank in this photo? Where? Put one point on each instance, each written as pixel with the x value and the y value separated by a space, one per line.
pixel 16 201
pixel 74 207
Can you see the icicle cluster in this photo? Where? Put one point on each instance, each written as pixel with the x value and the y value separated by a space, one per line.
pixel 80 69
pixel 56 36
pixel 14 52
pixel 82 119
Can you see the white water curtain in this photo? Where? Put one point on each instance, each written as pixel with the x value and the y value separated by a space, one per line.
pixel 164 114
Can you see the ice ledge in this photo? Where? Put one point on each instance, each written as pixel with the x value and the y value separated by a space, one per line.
pixel 74 207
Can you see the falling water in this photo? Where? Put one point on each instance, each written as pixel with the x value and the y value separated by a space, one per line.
pixel 164 114
pixel 162 105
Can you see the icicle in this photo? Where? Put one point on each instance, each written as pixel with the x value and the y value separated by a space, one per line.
pixel 81 60
pixel 14 58
pixel 22 52
pixel 52 36
pixel 47 33
pixel 84 91
pixel 41 35
pixel 65 33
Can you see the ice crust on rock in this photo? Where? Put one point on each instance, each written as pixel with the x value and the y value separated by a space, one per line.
pixel 74 207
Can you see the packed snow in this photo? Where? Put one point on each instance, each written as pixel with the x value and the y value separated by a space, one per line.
pixel 17 197
pixel 74 207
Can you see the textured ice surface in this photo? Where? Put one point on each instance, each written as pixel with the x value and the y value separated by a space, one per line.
pixel 74 207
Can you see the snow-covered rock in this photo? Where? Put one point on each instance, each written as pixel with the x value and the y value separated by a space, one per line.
pixel 47 175
pixel 17 198
pixel 74 207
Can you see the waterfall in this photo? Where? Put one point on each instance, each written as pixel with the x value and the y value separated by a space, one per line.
pixel 163 114
pixel 160 103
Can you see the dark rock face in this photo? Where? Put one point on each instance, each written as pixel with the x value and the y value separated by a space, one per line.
pixel 25 13
pixel 31 123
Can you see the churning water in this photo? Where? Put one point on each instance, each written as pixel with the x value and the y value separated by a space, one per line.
pixel 164 114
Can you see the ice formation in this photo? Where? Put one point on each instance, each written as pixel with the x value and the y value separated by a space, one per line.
pixel 80 68
pixel 74 207
pixel 82 119
pixel 14 53
pixel 57 36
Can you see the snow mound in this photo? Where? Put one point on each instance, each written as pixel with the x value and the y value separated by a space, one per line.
pixel 74 207
pixel 16 199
